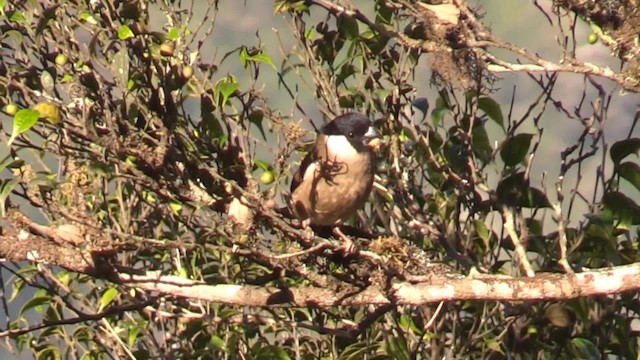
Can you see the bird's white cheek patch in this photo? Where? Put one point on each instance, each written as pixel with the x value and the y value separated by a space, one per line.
pixel 309 173
pixel 339 148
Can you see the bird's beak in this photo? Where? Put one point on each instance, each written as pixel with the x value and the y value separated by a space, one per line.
pixel 370 136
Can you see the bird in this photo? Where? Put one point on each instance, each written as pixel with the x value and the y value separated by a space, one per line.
pixel 336 176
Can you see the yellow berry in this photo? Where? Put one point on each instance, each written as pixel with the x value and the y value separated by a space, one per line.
pixel 61 59
pixel 11 109
pixel 187 72
pixel 267 177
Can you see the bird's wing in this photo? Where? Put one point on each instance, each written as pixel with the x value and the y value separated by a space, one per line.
pixel 309 159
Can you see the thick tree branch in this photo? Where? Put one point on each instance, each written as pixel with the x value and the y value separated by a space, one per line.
pixel 435 288
pixel 543 286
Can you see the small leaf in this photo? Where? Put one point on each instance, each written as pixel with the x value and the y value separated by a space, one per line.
pixel 536 198
pixel 225 88
pixel 631 172
pixel 624 209
pixel 514 190
pixel 586 349
pixel 36 302
pixel 47 82
pixel 88 18
pixel 210 121
pixel 515 149
pixel 421 104
pixel 6 188
pixel 107 298
pixel 348 27
pixel 120 67
pixel 23 121
pixel 256 117
pixel 134 330
pixel 174 34
pixel 125 32
pixel 492 109
pixel 271 352
pixel 256 56
pixel 18 17
pixel 481 146
pixel 218 344
pixel 482 230
pixel 262 165
pixel 175 206
pixel 623 148
pixel 437 115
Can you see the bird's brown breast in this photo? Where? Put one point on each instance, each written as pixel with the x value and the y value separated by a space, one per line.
pixel 333 190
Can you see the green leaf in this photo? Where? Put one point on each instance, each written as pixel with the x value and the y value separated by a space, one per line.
pixel 256 117
pixel 623 148
pixel 210 121
pixel 88 18
pixel 515 191
pixel 47 82
pixel 125 32
pixel 482 230
pixel 515 149
pixel 492 109
pixel 256 56
pixel 421 104
pixel 631 172
pixel 585 349
pixel 134 330
pixel 6 187
pixel 270 352
pixel 481 146
pixel 218 344
pixel 49 352
pixel 23 121
pixel 225 88
pixel 36 302
pixel 437 115
pixel 174 34
pixel 624 209
pixel 120 67
pixel 348 27
pixel 107 298
pixel 283 6
pixel 18 17
pixel 262 165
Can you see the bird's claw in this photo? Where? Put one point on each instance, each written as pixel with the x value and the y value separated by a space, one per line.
pixel 348 246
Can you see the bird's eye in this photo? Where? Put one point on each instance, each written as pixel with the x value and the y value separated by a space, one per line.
pixel 351 134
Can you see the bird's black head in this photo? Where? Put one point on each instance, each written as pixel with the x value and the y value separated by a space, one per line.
pixel 356 127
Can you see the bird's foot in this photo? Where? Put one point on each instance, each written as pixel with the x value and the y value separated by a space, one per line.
pixel 308 235
pixel 348 246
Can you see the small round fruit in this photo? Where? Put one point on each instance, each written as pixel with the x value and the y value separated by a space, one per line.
pixel 267 177
pixel 167 48
pixel 11 109
pixel 61 59
pixel 592 38
pixel 187 72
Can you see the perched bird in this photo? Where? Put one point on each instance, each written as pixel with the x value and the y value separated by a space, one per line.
pixel 336 176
